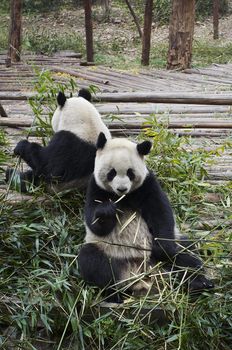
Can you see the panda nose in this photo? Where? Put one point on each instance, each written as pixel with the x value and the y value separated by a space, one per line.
pixel 121 189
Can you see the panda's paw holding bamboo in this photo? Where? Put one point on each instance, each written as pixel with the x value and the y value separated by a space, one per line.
pixel 105 210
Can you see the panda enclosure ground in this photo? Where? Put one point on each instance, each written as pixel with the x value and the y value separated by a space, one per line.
pixel 195 102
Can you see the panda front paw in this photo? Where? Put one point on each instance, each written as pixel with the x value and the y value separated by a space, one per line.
pixel 105 210
pixel 20 148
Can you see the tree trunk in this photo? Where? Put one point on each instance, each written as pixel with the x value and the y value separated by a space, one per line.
pixel 181 28
pixel 147 32
pixel 215 18
pixel 107 9
pixel 134 17
pixel 15 31
pixel 88 30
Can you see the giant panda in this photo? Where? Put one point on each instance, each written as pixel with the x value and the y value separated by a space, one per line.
pixel 129 223
pixel 68 160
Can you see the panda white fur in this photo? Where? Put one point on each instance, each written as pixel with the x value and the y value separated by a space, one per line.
pixel 68 160
pixel 79 116
pixel 129 221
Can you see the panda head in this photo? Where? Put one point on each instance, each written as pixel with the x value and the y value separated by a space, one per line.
pixel 79 116
pixel 119 164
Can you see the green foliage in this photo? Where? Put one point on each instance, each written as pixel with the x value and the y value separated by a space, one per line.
pixel 5 6
pixel 48 41
pixel 4 157
pixel 181 171
pixel 162 9
pixel 204 8
pixel 207 53
pixel 44 103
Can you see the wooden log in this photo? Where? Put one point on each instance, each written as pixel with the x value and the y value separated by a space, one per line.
pixel 19 96
pixel 175 125
pixel 77 74
pixel 161 97
pixel 3 112
pixel 15 123
pixel 220 81
pixel 166 97
pixel 152 108
pixel 67 53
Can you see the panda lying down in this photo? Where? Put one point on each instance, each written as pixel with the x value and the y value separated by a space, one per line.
pixel 129 223
pixel 68 160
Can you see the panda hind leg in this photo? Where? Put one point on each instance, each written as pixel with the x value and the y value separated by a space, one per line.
pixel 195 277
pixel 97 269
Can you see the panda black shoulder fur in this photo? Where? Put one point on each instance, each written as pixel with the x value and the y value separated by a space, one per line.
pixel 129 221
pixel 68 160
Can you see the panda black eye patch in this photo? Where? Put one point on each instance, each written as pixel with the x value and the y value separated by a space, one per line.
pixel 130 174
pixel 111 174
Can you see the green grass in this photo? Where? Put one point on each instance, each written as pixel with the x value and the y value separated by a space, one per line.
pixel 207 53
pixel 48 41
pixel 204 54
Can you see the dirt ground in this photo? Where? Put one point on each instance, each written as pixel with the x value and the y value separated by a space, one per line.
pixel 120 26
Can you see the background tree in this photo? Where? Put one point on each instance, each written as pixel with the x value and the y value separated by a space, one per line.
pixel 88 30
pixel 146 40
pixel 181 28
pixel 215 19
pixel 15 30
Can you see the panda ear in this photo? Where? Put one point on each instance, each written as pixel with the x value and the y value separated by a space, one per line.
pixel 85 93
pixel 101 141
pixel 61 99
pixel 144 148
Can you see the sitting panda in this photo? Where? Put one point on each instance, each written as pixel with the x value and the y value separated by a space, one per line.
pixel 129 222
pixel 68 160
